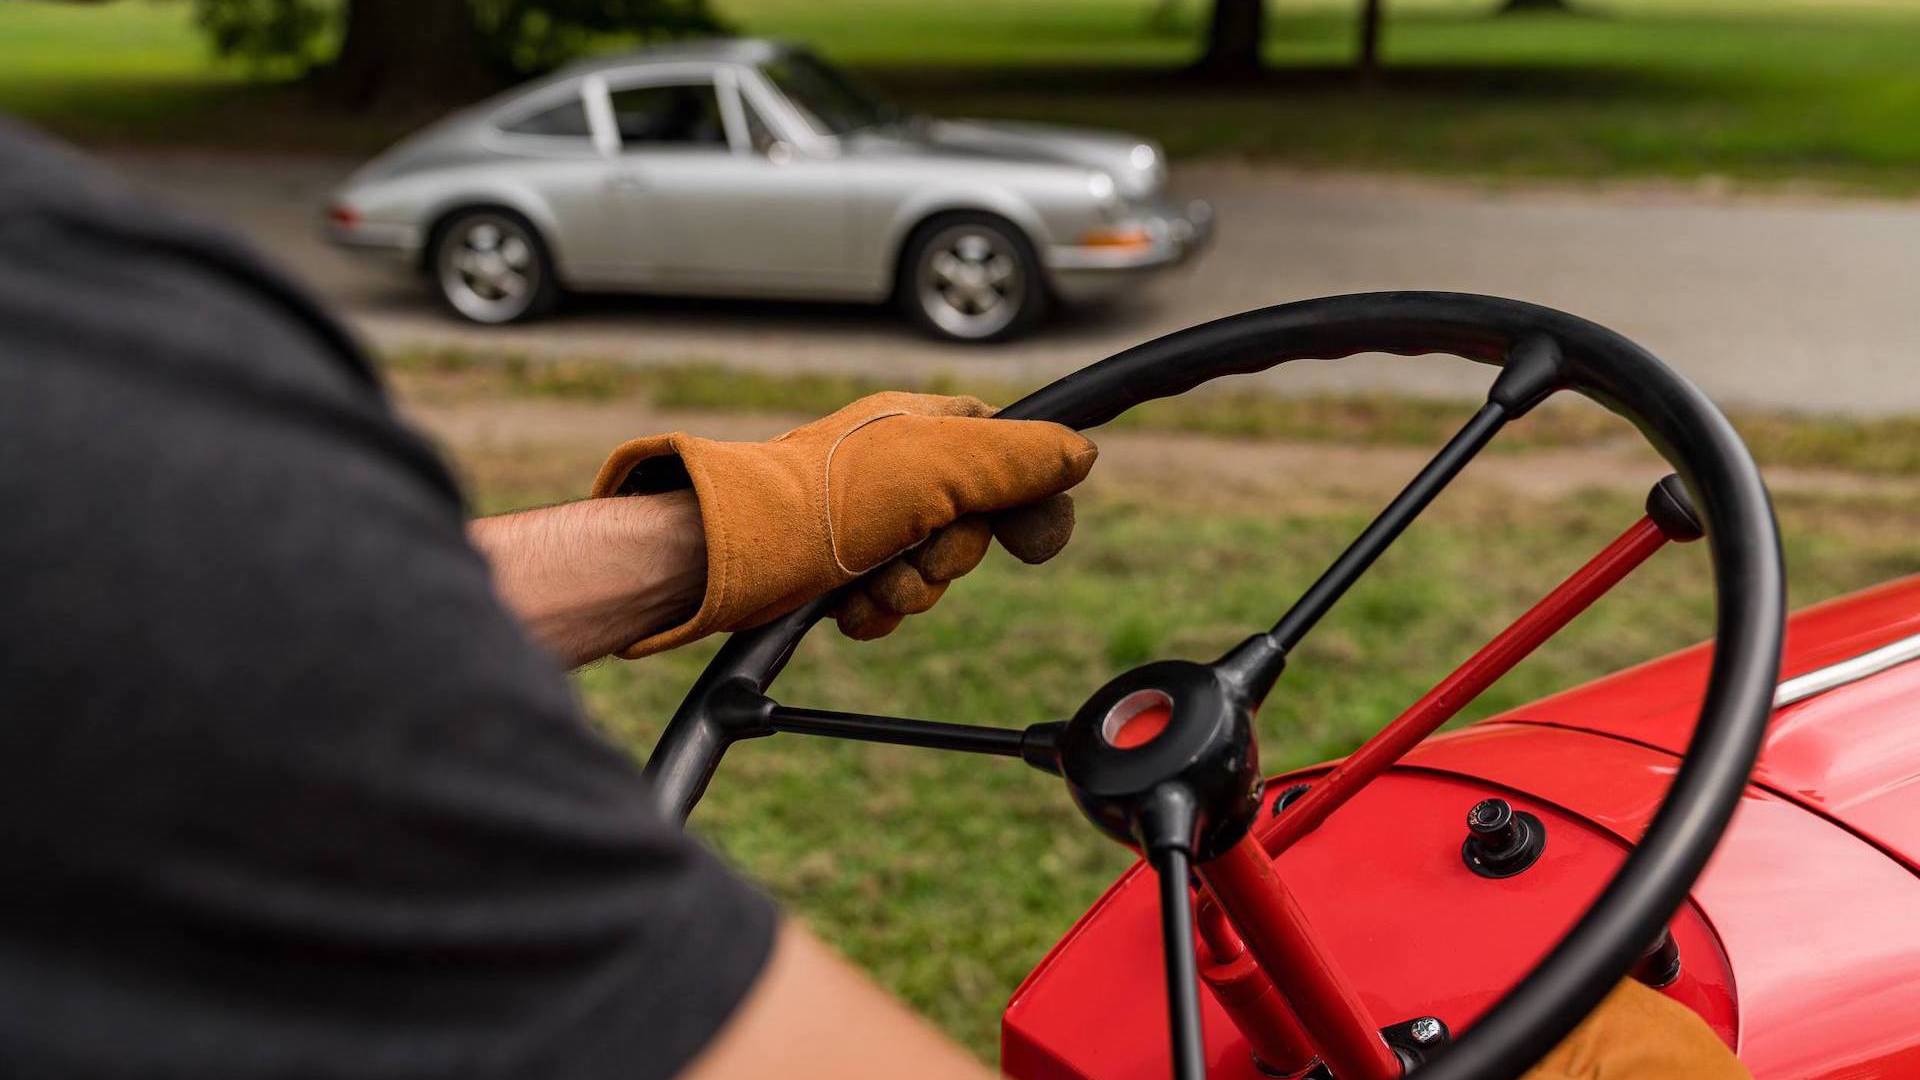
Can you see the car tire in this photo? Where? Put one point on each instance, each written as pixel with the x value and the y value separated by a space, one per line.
pixel 491 267
pixel 971 278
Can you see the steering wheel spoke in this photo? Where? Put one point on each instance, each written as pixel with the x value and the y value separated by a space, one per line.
pixel 1174 869
pixel 1531 372
pixel 1036 745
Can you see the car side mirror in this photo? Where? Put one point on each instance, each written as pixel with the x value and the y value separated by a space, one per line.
pixel 779 152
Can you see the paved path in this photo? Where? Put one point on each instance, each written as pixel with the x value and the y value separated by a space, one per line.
pixel 1782 302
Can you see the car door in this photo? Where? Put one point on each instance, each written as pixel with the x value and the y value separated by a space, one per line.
pixel 552 164
pixel 712 211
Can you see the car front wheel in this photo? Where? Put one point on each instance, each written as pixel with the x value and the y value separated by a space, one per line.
pixel 490 267
pixel 972 278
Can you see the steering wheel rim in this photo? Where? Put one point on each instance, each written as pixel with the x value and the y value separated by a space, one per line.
pixel 1540 1009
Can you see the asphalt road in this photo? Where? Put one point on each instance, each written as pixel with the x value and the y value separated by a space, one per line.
pixel 1785 302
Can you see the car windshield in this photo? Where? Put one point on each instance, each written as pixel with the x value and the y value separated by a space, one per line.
pixel 831 102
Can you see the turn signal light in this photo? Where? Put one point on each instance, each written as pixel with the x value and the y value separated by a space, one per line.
pixel 1131 236
pixel 342 214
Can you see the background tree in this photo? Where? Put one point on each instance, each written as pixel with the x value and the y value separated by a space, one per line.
pixel 1370 16
pixel 367 54
pixel 1234 33
pixel 1236 28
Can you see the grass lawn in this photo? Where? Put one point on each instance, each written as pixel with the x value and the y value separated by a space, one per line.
pixel 1639 88
pixel 949 876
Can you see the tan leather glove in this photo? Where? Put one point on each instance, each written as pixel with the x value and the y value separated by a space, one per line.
pixel 795 518
pixel 1640 1034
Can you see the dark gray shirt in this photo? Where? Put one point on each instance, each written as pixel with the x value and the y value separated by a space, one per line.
pixel 284 790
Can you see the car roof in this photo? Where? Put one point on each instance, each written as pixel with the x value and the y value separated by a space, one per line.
pixel 708 50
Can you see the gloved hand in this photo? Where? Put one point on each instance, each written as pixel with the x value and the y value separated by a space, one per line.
pixel 810 511
pixel 1640 1034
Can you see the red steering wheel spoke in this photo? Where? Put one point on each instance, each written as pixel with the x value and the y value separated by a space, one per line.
pixel 1261 920
pixel 1669 517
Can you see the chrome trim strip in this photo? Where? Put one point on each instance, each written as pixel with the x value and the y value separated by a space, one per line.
pixel 1827 678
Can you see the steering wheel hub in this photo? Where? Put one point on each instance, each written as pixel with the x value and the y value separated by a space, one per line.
pixel 1164 756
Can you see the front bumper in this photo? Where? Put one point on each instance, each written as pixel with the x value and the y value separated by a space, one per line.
pixel 1174 235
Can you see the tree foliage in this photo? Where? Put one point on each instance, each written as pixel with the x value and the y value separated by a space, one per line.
pixel 514 38
pixel 535 35
pixel 268 32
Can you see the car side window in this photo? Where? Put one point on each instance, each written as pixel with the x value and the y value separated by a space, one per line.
pixel 686 114
pixel 567 119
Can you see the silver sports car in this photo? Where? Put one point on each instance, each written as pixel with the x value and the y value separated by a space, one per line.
pixel 751 168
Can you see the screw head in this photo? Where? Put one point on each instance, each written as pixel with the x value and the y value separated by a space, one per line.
pixel 1426 1029
pixel 1489 816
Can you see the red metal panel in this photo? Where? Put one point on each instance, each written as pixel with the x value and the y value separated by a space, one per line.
pixel 1819 925
pixel 1384 886
pixel 1852 753
pixel 1819 928
pixel 1656 702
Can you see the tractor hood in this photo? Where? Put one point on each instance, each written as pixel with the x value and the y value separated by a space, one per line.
pixel 1798 944
pixel 1845 740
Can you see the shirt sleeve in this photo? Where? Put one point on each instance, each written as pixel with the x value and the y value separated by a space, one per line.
pixel 286 791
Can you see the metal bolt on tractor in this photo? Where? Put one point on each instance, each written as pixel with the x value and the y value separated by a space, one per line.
pixel 1451 906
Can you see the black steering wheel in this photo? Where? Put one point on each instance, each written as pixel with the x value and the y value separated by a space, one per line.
pixel 1541 351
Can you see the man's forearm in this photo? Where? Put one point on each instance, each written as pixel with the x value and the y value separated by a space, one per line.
pixel 814 1016
pixel 590 578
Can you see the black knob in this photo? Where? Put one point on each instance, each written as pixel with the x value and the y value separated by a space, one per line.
pixel 1286 798
pixel 1492 821
pixel 1501 841
pixel 1660 965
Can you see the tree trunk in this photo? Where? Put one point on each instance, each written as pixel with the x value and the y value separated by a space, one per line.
pixel 1233 37
pixel 1370 36
pixel 420 52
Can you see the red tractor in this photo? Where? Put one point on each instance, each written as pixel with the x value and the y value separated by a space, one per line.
pixel 1451 906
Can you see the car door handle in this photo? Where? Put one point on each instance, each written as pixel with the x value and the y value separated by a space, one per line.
pixel 627 182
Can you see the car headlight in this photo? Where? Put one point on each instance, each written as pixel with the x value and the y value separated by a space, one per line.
pixel 1143 157
pixel 1100 186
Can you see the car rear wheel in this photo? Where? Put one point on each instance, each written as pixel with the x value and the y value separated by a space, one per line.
pixel 972 278
pixel 490 267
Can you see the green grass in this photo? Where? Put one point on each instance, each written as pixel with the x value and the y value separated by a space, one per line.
pixel 1639 88
pixel 1881 445
pixel 1662 91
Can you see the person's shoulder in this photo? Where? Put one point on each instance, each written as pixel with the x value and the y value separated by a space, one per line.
pixel 39 173
pixel 58 207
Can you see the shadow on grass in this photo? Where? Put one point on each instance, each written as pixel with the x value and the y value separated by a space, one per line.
pixel 265 117
pixel 1539 82
pixel 290 117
